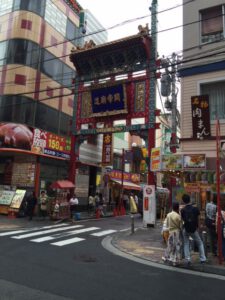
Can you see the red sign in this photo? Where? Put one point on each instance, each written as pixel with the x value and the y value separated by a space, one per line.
pixel 132 177
pixel 19 136
pixel 107 149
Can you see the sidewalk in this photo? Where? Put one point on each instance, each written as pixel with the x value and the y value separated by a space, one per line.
pixel 147 243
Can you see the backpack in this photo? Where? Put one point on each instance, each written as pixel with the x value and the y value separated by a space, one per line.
pixel 189 218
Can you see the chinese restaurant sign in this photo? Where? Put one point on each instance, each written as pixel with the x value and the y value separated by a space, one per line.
pixel 194 161
pixel 19 136
pixel 132 177
pixel 109 100
pixel 200 117
pixel 107 149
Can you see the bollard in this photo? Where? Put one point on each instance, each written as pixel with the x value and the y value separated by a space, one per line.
pixel 204 240
pixel 132 223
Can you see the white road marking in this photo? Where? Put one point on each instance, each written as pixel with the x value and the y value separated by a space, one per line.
pixel 23 236
pixel 30 229
pixel 102 233
pixel 60 235
pixel 67 242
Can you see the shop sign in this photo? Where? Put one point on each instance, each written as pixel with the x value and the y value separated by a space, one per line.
pixel 172 162
pixel 155 159
pixel 149 205
pixel 17 199
pixel 19 136
pixel 107 149
pixel 194 161
pixel 200 117
pixel 117 175
pixel 192 187
pixel 6 197
pixel 109 100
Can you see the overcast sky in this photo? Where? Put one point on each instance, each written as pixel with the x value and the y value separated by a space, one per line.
pixel 111 13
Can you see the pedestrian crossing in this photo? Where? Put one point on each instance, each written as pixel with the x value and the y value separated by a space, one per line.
pixel 57 235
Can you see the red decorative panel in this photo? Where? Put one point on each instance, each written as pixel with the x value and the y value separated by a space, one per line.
pixel 54 41
pixel 49 91
pixel 26 24
pixel 20 79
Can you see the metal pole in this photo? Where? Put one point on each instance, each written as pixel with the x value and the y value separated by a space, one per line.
pixel 204 239
pixel 121 196
pixel 174 105
pixel 219 227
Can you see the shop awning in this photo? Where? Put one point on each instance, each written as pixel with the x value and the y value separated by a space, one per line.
pixel 127 185
pixel 62 184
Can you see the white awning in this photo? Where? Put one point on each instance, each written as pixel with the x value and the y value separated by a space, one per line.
pixel 128 185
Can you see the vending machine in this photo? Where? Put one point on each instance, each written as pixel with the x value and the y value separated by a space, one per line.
pixel 149 205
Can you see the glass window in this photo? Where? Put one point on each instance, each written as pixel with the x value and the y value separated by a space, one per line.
pixel 23 52
pixel 216 92
pixel 55 17
pixel 3 46
pixel 68 75
pixel 72 32
pixel 5 6
pixel 64 124
pixel 35 6
pixel 212 26
pixel 51 66
pixel 47 118
pixel 17 109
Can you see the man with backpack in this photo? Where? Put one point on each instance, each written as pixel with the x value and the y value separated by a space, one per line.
pixel 190 215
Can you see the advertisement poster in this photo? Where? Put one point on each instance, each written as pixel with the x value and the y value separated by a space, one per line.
pixel 155 160
pixel 17 199
pixel 172 162
pixel 107 149
pixel 149 205
pixel 194 161
pixel 19 136
pixel 6 197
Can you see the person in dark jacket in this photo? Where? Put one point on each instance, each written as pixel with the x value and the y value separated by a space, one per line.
pixel 31 203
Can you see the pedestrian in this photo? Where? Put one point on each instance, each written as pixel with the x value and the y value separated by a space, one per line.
pixel 133 206
pixel 210 222
pixel 43 205
pixel 91 203
pixel 136 199
pixel 73 205
pixel 56 210
pixel 30 205
pixel 190 216
pixel 97 200
pixel 222 229
pixel 174 224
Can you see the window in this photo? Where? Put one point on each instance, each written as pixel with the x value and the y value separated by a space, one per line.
pixel 37 7
pixel 5 6
pixel 72 32
pixel 212 25
pixel 23 52
pixel 64 124
pixel 51 66
pixel 55 17
pixel 216 92
pixel 17 109
pixel 3 46
pixel 45 113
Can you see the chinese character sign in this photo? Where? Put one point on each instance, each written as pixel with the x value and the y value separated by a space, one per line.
pixel 109 100
pixel 107 149
pixel 200 117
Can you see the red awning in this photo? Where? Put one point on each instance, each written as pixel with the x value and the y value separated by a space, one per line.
pixel 62 184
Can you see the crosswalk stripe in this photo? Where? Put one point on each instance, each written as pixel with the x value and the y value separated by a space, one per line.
pixel 67 242
pixel 31 229
pixel 23 236
pixel 61 235
pixel 102 233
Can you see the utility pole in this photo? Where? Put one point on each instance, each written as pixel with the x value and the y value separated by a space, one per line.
pixel 152 91
pixel 173 143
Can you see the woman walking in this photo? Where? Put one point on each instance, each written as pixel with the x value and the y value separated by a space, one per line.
pixel 174 243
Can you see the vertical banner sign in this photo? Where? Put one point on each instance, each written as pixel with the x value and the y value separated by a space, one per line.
pixel 155 159
pixel 200 117
pixel 149 205
pixel 107 149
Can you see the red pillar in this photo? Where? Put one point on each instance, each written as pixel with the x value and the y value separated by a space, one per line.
pixel 151 144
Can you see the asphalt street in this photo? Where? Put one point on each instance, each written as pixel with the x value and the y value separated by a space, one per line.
pixel 83 269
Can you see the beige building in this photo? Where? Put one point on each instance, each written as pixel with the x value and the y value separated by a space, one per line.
pixel 202 74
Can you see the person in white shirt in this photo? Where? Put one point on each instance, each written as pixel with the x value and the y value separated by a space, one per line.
pixel 73 204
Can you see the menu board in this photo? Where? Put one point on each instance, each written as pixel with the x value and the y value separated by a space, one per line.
pixel 17 199
pixel 6 197
pixel 23 174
